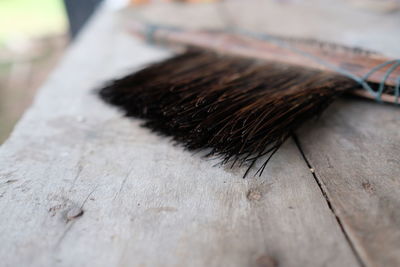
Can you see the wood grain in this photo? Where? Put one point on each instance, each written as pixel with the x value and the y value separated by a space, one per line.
pixel 82 186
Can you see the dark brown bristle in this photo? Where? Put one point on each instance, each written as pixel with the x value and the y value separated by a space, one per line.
pixel 241 109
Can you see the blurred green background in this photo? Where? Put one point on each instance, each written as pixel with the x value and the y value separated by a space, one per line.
pixel 33 36
pixel 29 18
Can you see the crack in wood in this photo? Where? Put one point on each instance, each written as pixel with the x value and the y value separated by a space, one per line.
pixel 123 183
pixel 79 211
pixel 329 203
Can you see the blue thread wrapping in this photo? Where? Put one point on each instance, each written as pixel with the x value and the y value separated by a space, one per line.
pixel 360 80
pixel 150 31
pixel 152 28
pixel 397 91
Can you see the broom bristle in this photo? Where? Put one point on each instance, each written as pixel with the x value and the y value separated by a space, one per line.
pixel 241 109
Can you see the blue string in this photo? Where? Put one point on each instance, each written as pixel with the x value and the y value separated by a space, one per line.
pixel 397 91
pixel 388 72
pixel 395 63
pixel 360 80
pixel 152 28
pixel 150 31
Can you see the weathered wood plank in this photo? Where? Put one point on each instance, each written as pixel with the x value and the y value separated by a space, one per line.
pixel 354 149
pixel 81 186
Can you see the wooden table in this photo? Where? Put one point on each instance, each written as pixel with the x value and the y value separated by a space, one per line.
pixel 82 186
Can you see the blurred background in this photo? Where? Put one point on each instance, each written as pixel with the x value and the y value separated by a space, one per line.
pixel 33 36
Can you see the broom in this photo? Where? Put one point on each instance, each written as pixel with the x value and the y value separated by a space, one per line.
pixel 241 95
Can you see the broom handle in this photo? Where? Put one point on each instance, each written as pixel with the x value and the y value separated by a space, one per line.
pixel 358 64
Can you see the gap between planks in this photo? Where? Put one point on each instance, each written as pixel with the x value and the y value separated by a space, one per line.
pixel 328 202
